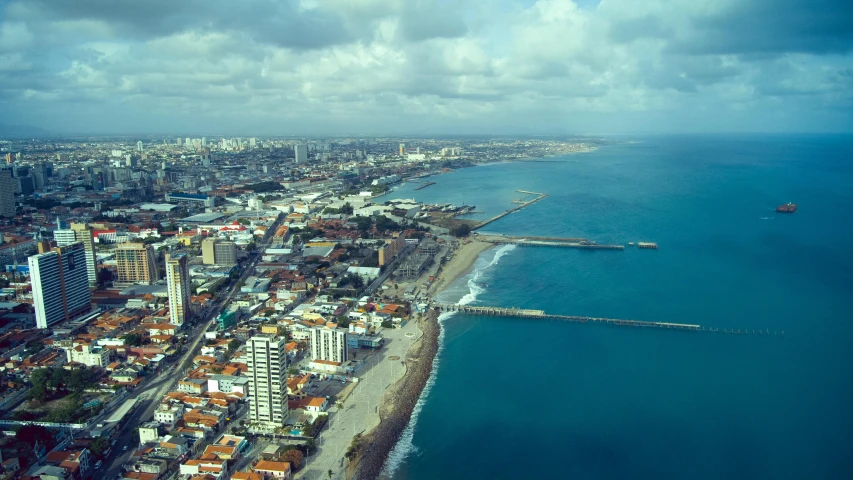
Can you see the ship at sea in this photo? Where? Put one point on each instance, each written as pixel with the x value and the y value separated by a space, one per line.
pixel 787 208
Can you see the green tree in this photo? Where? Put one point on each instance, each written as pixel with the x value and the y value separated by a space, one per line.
pixel 99 446
pixel 132 339
pixel 462 230
pixel 39 379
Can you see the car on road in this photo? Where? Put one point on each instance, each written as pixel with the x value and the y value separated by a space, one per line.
pixel 124 449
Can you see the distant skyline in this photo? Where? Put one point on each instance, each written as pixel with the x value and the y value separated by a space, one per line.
pixel 427 67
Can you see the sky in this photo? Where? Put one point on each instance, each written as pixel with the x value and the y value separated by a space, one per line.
pixel 303 67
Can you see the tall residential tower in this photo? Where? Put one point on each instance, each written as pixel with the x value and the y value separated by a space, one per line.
pixel 60 285
pixel 267 361
pixel 178 285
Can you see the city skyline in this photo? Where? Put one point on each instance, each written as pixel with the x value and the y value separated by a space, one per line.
pixel 427 67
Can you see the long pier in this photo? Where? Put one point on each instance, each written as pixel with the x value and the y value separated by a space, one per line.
pixel 540 314
pixel 511 210
pixel 548 242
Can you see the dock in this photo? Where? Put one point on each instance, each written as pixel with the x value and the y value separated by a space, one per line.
pixel 424 185
pixel 512 210
pixel 542 315
pixel 532 241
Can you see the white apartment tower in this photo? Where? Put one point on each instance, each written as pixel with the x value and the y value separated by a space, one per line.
pixel 328 344
pixel 178 286
pixel 300 152
pixel 60 285
pixel 267 361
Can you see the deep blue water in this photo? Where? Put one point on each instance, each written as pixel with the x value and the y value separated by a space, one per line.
pixel 541 399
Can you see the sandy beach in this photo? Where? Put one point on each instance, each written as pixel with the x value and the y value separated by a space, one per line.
pixel 460 261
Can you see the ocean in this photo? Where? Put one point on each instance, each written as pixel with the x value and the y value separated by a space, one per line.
pixel 515 398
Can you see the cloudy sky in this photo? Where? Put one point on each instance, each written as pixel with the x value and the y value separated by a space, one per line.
pixel 426 66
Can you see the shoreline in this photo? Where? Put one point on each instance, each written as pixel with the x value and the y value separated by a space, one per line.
pixel 400 400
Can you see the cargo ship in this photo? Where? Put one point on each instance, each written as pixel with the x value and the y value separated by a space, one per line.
pixel 787 208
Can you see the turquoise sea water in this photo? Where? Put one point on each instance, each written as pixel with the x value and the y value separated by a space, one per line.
pixel 518 398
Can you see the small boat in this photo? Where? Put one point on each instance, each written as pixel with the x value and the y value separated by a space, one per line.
pixel 787 208
pixel 631 244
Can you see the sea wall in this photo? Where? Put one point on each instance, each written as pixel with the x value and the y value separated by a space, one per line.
pixel 374 447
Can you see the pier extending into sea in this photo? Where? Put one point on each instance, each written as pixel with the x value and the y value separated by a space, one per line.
pixel 542 315
pixel 499 216
pixel 547 242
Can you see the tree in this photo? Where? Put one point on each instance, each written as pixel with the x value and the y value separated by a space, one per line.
pixel 100 445
pixel 233 345
pixel 57 378
pixel 387 324
pixel 330 473
pixel 32 434
pixel 294 457
pixel 39 381
pixel 462 230
pixel 132 339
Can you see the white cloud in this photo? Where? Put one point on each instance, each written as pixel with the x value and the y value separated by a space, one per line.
pixel 376 65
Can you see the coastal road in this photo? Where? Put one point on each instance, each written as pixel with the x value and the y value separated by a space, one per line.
pixel 360 412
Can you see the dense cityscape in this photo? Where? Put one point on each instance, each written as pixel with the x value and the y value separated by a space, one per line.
pixel 200 308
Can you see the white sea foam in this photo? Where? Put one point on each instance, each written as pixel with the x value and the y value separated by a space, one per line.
pixel 404 446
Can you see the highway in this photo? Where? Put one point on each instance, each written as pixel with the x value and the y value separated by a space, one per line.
pixel 153 390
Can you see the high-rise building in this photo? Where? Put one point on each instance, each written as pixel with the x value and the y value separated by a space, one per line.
pixel 178 286
pixel 328 343
pixel 139 146
pixel 203 142
pixel 179 141
pixel 136 263
pixel 80 232
pixel 402 148
pixel 60 285
pixel 300 153
pixel 7 193
pixel 218 252
pixel 267 361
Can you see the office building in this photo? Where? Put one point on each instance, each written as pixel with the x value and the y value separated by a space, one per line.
pixel 328 343
pixel 267 361
pixel 80 232
pixel 178 285
pixel 7 193
pixel 60 285
pixel 136 263
pixel 300 153
pixel 139 146
pixel 218 252
pixel 189 198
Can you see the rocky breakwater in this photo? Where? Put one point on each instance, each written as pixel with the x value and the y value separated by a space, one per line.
pixel 370 451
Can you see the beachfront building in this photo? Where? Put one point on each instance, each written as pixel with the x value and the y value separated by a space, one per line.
pixel 267 361
pixel 328 343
